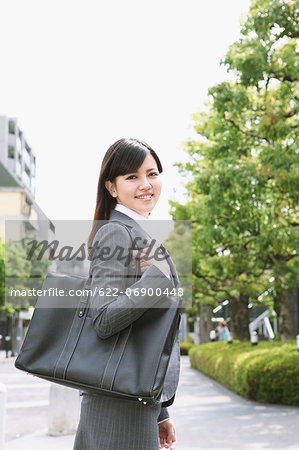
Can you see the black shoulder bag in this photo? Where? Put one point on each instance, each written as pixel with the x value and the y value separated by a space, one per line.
pixel 62 346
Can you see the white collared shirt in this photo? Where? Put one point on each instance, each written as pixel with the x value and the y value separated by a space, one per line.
pixel 129 212
pixel 135 216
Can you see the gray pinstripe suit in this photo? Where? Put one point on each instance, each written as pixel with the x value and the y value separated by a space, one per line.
pixel 118 424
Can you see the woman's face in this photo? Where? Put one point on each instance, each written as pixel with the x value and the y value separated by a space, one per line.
pixel 138 191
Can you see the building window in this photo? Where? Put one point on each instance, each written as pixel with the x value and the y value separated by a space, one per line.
pixel 28 149
pixel 11 127
pixel 27 169
pixel 11 152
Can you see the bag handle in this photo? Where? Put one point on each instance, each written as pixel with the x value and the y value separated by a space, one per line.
pixel 85 299
pixel 138 270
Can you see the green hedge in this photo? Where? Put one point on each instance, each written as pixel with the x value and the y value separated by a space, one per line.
pixel 268 372
pixel 185 347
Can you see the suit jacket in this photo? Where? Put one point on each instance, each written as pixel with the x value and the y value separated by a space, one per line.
pixel 111 314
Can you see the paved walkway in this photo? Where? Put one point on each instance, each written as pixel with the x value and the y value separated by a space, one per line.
pixel 207 416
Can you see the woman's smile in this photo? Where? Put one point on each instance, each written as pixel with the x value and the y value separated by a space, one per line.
pixel 145 197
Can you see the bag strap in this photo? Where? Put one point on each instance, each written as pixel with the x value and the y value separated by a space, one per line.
pixel 86 298
pixel 138 270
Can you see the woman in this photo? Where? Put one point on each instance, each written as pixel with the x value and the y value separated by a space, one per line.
pixel 128 189
pixel 223 332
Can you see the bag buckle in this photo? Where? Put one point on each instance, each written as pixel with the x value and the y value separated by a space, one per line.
pixel 82 308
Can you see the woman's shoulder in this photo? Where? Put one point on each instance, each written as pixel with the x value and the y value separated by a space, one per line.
pixel 111 231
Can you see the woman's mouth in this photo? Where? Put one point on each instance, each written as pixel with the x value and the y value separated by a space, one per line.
pixel 146 197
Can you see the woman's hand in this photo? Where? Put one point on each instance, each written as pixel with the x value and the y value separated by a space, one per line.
pixel 167 434
pixel 153 257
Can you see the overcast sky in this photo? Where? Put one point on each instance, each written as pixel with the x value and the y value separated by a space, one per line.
pixel 80 74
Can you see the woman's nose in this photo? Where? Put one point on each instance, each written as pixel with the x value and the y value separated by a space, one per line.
pixel 145 184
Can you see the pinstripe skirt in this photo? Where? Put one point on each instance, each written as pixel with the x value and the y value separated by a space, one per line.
pixel 108 423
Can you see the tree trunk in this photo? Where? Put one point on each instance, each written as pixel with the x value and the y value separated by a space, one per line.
pixel 205 324
pixel 239 318
pixel 282 309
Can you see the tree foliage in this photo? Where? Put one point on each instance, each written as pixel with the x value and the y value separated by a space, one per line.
pixel 243 197
pixel 179 244
pixel 19 272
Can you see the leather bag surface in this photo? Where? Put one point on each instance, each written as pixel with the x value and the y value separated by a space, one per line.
pixel 62 346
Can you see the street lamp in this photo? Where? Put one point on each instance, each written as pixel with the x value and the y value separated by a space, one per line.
pixel 213 335
pixel 254 338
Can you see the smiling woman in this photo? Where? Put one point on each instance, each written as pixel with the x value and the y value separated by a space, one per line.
pixel 128 189
pixel 129 175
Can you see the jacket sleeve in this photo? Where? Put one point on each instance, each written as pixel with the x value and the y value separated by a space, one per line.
pixel 163 415
pixel 112 309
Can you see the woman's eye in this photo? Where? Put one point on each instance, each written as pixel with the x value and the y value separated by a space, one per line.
pixel 131 177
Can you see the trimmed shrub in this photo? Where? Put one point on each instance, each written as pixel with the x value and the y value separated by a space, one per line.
pixel 185 347
pixel 268 373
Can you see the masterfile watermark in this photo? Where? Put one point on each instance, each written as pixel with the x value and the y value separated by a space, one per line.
pixel 52 291
pixel 105 253
pixel 95 297
pixel 63 250
pixel 101 292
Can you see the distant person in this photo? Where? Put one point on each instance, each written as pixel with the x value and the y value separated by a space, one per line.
pixel 222 331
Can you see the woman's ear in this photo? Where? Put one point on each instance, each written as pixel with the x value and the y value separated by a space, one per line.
pixel 111 188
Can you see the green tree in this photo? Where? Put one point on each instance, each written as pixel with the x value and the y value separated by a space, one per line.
pixel 243 197
pixel 179 245
pixel 23 272
pixel 18 272
pixel 38 267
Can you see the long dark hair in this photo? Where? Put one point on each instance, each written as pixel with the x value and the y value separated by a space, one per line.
pixel 124 156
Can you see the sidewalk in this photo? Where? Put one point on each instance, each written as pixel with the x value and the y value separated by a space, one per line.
pixel 207 416
pixel 41 440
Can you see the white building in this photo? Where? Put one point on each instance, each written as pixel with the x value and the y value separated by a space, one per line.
pixel 19 211
pixel 17 184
